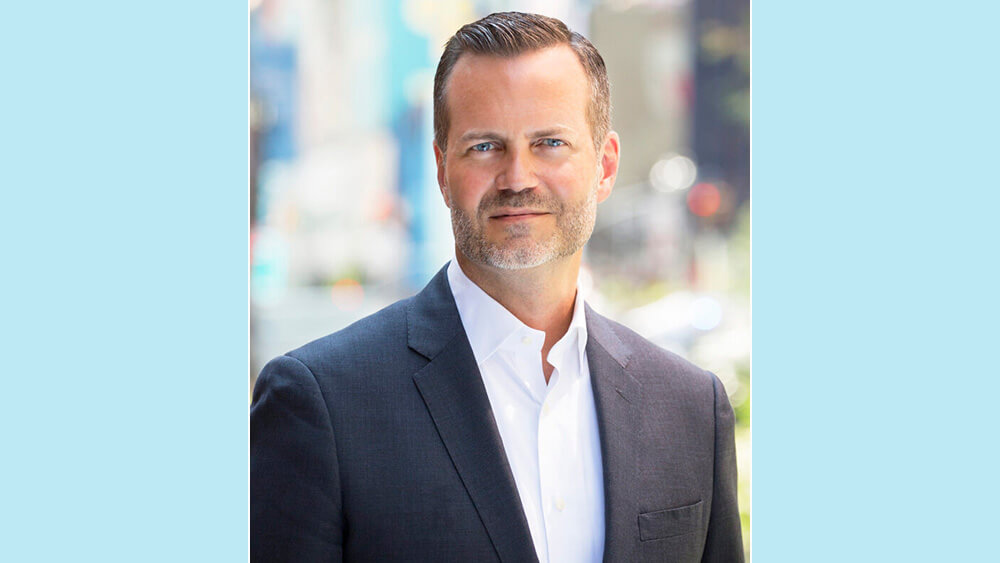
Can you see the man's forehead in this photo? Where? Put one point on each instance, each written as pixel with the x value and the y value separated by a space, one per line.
pixel 549 83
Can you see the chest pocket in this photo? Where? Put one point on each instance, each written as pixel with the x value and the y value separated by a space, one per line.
pixel 670 522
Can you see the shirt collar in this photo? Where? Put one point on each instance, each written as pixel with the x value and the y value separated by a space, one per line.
pixel 488 324
pixel 575 339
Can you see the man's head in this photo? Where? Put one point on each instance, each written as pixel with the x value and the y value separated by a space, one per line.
pixel 522 161
pixel 509 34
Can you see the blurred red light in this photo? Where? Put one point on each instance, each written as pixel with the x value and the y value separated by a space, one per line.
pixel 704 199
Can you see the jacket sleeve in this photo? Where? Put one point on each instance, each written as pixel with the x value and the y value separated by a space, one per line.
pixel 295 501
pixel 724 543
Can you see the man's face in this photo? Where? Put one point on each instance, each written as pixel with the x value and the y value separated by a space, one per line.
pixel 520 173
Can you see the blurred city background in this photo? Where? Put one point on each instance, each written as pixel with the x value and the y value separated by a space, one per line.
pixel 346 216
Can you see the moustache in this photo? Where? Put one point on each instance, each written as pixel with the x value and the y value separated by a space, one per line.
pixel 526 198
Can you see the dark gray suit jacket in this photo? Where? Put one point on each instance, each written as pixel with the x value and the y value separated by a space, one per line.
pixel 378 443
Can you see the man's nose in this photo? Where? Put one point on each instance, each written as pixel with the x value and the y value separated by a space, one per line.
pixel 518 173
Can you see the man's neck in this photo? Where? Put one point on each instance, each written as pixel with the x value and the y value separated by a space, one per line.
pixel 541 297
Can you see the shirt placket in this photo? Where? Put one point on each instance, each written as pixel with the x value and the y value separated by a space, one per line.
pixel 552 457
pixel 525 358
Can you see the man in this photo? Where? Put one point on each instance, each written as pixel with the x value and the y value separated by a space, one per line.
pixel 494 416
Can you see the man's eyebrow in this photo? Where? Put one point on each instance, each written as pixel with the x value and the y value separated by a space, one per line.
pixel 482 134
pixel 479 134
pixel 553 131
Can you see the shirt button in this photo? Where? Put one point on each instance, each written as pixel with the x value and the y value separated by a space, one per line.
pixel 560 504
pixel 525 340
pixel 545 409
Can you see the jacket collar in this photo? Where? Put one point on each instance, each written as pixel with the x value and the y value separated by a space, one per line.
pixel 432 319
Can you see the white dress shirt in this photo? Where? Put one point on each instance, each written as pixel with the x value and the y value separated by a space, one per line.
pixel 549 431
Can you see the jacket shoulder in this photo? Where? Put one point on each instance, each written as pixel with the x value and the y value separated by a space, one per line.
pixel 654 363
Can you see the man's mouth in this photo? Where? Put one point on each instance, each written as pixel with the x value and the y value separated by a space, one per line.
pixel 516 214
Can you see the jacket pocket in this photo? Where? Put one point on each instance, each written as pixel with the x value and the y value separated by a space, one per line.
pixel 670 522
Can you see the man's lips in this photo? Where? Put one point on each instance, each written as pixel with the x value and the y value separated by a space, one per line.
pixel 516 214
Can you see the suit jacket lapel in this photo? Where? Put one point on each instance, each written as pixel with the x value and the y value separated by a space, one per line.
pixel 453 391
pixel 617 397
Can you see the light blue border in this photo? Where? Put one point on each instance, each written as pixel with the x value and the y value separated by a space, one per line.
pixel 124 296
pixel 875 288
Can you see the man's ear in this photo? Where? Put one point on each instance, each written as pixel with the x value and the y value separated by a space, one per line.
pixel 439 158
pixel 608 166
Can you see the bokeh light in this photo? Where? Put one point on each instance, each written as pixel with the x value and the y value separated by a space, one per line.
pixel 673 172
pixel 704 199
pixel 706 313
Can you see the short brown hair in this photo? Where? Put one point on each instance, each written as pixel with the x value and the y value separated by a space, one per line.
pixel 509 34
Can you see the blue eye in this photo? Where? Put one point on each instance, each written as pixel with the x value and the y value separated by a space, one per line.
pixel 553 142
pixel 482 147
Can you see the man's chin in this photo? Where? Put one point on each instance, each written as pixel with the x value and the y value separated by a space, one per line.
pixel 519 255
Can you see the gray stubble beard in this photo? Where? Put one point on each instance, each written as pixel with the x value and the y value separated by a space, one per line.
pixel 574 225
